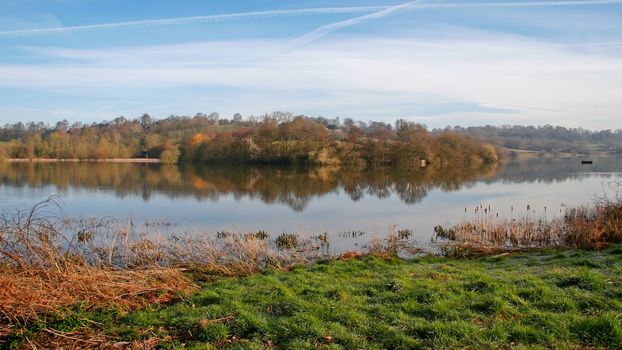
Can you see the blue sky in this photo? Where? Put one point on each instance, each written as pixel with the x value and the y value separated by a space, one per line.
pixel 437 62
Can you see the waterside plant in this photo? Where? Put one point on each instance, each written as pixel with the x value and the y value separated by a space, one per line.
pixel 590 227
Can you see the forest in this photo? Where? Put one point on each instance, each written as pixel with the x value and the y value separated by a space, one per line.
pixel 276 138
pixel 546 138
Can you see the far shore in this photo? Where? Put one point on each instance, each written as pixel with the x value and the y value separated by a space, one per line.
pixel 76 160
pixel 521 153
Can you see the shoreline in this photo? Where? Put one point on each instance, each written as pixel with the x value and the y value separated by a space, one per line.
pixel 196 291
pixel 77 160
pixel 522 153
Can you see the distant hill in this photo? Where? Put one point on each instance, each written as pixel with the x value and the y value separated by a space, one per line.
pixel 546 138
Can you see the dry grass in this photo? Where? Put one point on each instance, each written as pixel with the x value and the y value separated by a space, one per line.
pixel 87 338
pixel 27 294
pixel 474 250
pixel 235 254
pixel 592 227
pixel 44 271
pixel 596 226
pixel 55 268
pixel 76 160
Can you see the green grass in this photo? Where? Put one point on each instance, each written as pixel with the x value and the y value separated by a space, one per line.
pixel 567 299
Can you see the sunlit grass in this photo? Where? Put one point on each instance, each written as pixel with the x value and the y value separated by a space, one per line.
pixel 567 299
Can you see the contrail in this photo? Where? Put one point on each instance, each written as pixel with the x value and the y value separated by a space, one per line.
pixel 326 29
pixel 523 4
pixel 197 19
pixel 294 12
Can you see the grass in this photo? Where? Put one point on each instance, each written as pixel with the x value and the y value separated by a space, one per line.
pixel 103 288
pixel 548 299
pixel 42 275
pixel 47 273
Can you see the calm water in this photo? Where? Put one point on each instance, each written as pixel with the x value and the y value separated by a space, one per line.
pixel 307 200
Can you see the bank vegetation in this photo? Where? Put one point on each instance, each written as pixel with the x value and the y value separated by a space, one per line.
pixel 277 138
pixel 67 282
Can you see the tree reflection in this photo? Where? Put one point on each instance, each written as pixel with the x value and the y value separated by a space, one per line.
pixel 291 186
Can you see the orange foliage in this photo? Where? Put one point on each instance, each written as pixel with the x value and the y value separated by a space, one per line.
pixel 197 139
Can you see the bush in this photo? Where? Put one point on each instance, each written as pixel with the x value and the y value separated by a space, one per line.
pixel 3 154
pixel 170 155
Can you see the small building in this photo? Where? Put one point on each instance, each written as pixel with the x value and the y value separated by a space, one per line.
pixel 332 124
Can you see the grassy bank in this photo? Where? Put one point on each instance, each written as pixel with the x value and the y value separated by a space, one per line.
pixel 107 285
pixel 551 299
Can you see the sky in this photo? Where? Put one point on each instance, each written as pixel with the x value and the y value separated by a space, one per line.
pixel 452 62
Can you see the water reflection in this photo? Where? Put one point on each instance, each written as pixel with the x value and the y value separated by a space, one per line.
pixel 549 170
pixel 295 187
pixel 306 201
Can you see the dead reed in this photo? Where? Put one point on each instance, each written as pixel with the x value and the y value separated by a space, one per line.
pixel 52 267
pixel 43 272
pixel 30 293
pixel 50 264
pixel 590 227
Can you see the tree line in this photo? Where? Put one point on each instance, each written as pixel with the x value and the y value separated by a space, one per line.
pixel 277 138
pixel 546 138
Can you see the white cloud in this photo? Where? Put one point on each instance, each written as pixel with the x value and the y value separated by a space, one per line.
pixel 544 82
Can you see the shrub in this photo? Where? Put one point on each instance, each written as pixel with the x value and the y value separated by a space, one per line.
pixel 170 155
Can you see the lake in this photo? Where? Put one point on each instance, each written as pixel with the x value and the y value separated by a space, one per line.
pixel 308 200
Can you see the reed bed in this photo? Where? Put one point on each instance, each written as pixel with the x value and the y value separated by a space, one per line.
pixel 591 227
pixel 44 273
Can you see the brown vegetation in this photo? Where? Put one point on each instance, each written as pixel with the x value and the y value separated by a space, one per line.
pixel 46 272
pixel 306 140
pixel 278 138
pixel 590 227
pixel 76 160
pixel 291 186
pixel 42 274
pixel 27 294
